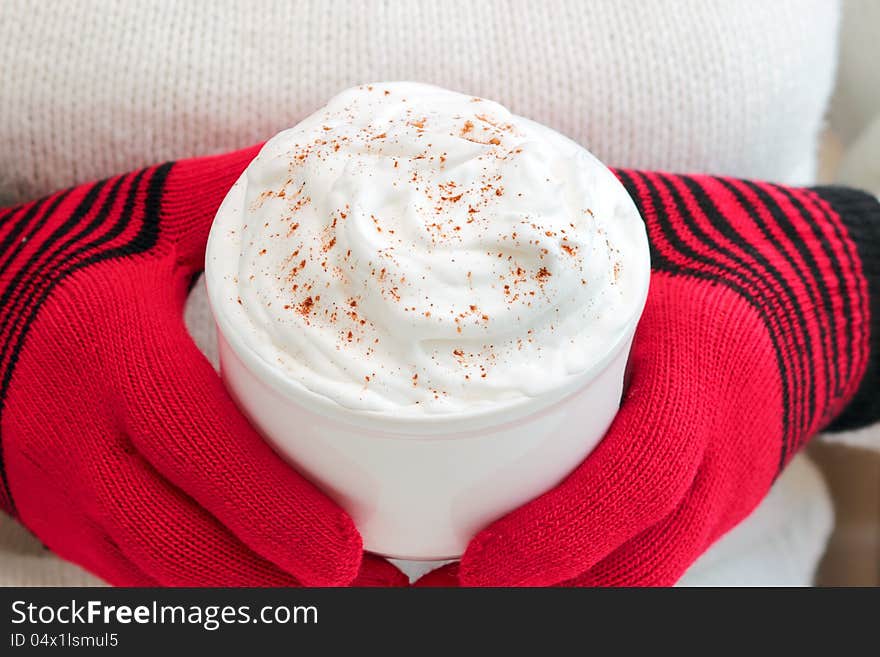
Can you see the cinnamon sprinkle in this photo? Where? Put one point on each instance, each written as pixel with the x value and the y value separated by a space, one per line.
pixel 304 308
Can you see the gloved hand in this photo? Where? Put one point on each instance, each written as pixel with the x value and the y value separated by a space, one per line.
pixel 121 450
pixel 762 325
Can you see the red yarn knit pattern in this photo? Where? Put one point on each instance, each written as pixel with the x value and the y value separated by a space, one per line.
pixel 121 450
pixel 758 332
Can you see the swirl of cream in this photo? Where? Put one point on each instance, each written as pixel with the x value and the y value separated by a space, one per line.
pixel 408 249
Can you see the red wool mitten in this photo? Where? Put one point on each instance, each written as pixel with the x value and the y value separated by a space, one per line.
pixel 119 447
pixel 762 326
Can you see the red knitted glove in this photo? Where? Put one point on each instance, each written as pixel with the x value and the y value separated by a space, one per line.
pixel 757 333
pixel 121 450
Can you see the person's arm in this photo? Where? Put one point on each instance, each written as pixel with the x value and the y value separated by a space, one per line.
pixel 761 328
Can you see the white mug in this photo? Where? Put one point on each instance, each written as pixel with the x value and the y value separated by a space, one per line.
pixel 421 487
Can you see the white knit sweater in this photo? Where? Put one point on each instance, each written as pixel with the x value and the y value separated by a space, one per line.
pixel 739 87
pixel 91 88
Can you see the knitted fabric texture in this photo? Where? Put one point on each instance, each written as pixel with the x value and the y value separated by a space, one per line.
pixel 119 447
pixel 683 85
pixel 757 333
pixel 122 451
pixel 91 88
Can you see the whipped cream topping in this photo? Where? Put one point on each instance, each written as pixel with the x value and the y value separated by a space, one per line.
pixel 408 249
